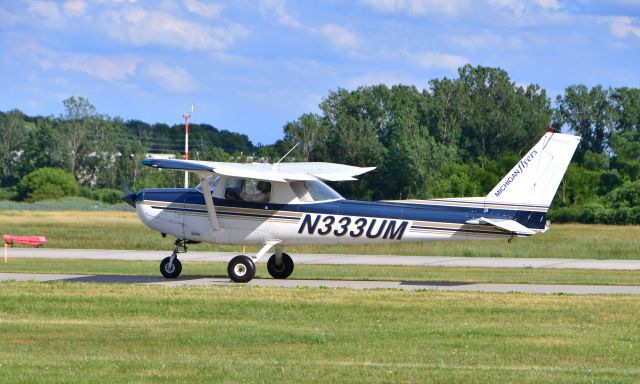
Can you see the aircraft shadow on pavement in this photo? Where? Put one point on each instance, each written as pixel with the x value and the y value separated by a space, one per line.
pixel 401 282
pixel 435 283
pixel 128 279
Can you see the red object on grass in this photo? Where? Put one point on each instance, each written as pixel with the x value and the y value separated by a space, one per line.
pixel 34 241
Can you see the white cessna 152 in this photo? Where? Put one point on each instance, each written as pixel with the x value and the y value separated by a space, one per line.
pixel 275 205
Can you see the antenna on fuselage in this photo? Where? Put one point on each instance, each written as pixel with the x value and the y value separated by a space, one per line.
pixel 186 144
pixel 285 155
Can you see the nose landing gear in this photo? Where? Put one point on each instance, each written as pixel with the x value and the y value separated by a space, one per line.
pixel 170 267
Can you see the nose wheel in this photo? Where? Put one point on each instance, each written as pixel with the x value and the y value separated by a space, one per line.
pixel 170 267
pixel 170 270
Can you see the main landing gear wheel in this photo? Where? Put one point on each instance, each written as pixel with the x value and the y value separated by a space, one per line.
pixel 282 271
pixel 170 271
pixel 241 269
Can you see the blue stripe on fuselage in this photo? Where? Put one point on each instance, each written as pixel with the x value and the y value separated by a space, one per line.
pixel 391 210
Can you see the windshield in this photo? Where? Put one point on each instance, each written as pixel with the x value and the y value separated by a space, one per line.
pixel 316 190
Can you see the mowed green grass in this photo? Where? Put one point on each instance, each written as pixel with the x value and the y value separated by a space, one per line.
pixel 88 333
pixel 123 230
pixel 336 272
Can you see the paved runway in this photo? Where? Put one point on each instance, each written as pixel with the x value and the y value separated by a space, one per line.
pixel 360 284
pixel 433 261
pixel 429 261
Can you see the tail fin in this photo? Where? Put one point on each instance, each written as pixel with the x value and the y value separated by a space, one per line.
pixel 535 179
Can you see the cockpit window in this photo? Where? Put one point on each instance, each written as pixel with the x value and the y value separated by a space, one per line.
pixel 213 182
pixel 315 190
pixel 255 191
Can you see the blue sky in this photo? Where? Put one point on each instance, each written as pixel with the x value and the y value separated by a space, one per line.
pixel 252 66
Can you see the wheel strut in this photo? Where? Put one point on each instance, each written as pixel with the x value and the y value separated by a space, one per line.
pixel 170 267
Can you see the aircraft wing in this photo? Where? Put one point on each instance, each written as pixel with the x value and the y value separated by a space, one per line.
pixel 282 172
pixel 505 225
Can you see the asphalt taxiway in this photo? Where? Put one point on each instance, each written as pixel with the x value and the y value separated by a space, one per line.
pixel 433 261
pixel 349 284
pixel 333 259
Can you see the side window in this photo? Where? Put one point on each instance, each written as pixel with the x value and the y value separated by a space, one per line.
pixel 234 188
pixel 255 191
pixel 213 183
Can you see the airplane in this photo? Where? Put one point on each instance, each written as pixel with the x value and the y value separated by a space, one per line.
pixel 289 203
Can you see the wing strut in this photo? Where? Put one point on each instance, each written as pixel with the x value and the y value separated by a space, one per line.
pixel 211 209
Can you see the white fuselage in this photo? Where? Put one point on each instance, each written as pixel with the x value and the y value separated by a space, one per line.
pixel 183 214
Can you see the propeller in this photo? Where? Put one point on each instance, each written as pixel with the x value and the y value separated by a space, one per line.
pixel 130 196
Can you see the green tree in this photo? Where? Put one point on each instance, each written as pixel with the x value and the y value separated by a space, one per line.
pixel 309 131
pixel 626 103
pixel 47 183
pixel 498 115
pixel 588 113
pixel 96 166
pixel 626 147
pixel 45 146
pixel 77 118
pixel 12 138
pixel 446 109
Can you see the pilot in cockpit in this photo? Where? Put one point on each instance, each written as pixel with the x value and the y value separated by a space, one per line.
pixel 262 194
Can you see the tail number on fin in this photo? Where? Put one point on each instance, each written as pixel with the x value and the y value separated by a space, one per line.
pixel 372 228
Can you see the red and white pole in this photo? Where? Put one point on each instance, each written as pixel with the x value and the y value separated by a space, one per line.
pixel 186 146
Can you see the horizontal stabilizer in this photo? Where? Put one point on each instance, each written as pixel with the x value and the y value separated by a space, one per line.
pixel 505 225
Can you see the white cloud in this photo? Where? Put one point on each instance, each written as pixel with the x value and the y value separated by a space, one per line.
pixel 139 26
pixel 486 39
pixel 75 8
pixel 477 40
pixel 203 9
pixel 431 60
pixel 278 7
pixel 621 26
pixel 548 4
pixel 8 19
pixel 387 78
pixel 117 1
pixel 171 78
pixel 107 68
pixel 419 7
pixel 339 36
pixel 47 10
pixel 102 67
pixel 520 8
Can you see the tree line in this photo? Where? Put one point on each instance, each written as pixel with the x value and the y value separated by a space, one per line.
pixel 456 137
pixel 100 154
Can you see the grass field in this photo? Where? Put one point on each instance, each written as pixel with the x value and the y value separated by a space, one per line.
pixel 61 332
pixel 88 333
pixel 341 272
pixel 123 230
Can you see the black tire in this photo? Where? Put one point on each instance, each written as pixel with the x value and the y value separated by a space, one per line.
pixel 281 271
pixel 173 271
pixel 241 269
